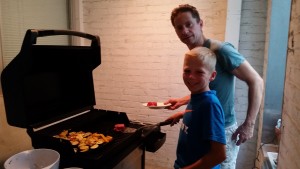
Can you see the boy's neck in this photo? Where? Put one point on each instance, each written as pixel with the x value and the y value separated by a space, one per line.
pixel 202 91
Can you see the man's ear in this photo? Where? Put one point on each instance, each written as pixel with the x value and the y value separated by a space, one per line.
pixel 201 23
pixel 213 76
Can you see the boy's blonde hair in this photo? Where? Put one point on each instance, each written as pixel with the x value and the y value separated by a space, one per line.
pixel 205 55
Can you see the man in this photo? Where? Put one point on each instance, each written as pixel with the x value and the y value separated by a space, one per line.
pixel 230 63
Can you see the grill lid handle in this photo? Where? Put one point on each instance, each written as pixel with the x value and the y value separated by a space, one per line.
pixel 34 33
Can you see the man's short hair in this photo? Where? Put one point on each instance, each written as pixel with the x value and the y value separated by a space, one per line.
pixel 185 8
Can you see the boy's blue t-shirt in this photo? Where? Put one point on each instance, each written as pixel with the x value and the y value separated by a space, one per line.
pixel 204 124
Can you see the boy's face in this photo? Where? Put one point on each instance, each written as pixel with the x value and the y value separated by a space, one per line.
pixel 188 29
pixel 196 76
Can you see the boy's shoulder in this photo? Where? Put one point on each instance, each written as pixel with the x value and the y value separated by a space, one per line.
pixel 208 97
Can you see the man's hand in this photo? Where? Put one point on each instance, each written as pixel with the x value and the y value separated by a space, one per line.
pixel 244 132
pixel 177 102
pixel 174 104
pixel 246 73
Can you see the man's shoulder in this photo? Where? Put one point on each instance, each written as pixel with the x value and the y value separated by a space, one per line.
pixel 217 45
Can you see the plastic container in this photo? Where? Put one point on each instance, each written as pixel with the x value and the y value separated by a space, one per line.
pixel 34 159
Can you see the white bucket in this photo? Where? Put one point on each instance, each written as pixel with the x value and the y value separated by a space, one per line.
pixel 34 159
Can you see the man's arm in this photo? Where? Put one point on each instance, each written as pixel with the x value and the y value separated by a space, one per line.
pixel 215 156
pixel 176 103
pixel 255 83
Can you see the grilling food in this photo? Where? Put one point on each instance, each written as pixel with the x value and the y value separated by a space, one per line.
pixel 119 127
pixel 152 104
pixel 84 141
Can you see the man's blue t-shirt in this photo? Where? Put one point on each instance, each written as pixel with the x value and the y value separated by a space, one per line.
pixel 203 124
pixel 228 58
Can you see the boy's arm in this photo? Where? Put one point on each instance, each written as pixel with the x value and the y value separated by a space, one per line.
pixel 215 156
pixel 177 116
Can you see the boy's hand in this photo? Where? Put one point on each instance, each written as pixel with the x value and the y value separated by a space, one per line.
pixel 177 116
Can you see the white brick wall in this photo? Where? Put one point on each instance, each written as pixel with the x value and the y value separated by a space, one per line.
pixel 289 150
pixel 251 45
pixel 142 59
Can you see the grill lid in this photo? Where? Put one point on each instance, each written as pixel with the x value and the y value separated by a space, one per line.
pixel 44 83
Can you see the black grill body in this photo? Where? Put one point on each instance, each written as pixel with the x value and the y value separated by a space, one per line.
pixel 49 88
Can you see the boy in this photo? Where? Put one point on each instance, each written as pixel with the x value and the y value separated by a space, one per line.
pixel 201 142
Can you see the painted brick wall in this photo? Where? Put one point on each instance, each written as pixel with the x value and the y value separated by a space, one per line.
pixel 289 149
pixel 142 59
pixel 252 46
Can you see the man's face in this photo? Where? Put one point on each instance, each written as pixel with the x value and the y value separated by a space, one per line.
pixel 196 76
pixel 188 29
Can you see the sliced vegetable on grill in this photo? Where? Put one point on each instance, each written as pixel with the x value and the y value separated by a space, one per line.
pixel 84 141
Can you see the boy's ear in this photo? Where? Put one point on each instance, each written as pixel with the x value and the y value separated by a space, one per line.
pixel 213 76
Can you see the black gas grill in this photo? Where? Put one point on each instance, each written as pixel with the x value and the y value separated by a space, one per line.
pixel 49 88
